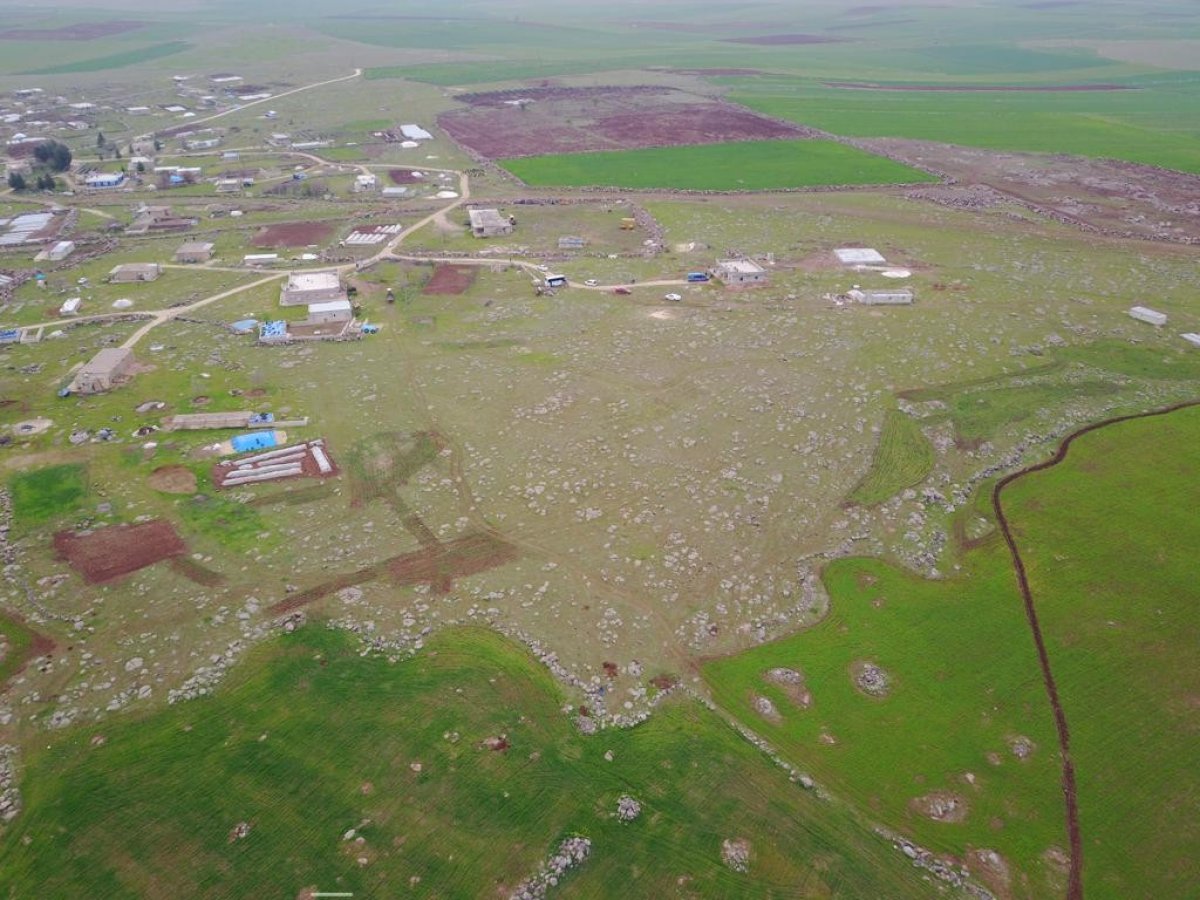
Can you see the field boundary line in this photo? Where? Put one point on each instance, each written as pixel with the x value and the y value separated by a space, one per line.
pixel 1075 876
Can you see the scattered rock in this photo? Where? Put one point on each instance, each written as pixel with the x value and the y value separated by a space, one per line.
pixel 1021 746
pixel 628 809
pixel 870 679
pixel 736 854
pixel 941 806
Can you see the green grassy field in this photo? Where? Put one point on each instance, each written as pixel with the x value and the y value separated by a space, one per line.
pixel 903 457
pixel 742 166
pixel 1111 524
pixel 42 495
pixel 357 774
pixel 115 60
pixel 1155 124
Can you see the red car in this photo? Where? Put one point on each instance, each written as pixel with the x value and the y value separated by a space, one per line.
pixel 623 291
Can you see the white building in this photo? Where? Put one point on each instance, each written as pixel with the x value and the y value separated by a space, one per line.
pixel 1147 315
pixel 415 133
pixel 859 256
pixel 364 183
pixel 1192 338
pixel 306 288
pixel 60 251
pixel 739 273
pixel 329 311
pixel 104 180
pixel 900 297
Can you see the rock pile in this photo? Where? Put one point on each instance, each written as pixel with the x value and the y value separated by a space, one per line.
pixel 572 852
pixel 736 854
pixel 10 797
pixel 870 679
pixel 628 809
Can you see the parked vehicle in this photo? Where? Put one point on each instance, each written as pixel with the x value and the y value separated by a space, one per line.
pixel 697 277
pixel 591 282
pixel 674 298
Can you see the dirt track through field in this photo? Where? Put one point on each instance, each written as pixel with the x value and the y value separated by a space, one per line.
pixel 1075 876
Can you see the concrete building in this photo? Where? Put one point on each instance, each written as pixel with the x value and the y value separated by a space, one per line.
pixel 329 311
pixel 260 259
pixel 158 218
pixel 311 287
pixel 739 273
pixel 132 272
pixel 415 133
pixel 900 297
pixel 365 183
pixel 859 256
pixel 1147 315
pixel 487 223
pixel 104 371
pixel 194 252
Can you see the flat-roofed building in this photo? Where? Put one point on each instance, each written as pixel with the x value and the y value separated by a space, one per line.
pixel 127 273
pixel 739 273
pixel 859 256
pixel 104 370
pixel 304 288
pixel 194 252
pixel 900 297
pixel 329 311
pixel 487 223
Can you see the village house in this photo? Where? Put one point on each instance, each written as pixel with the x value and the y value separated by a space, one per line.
pixel 104 371
pixel 488 223
pixel 157 218
pixel 739 273
pixel 127 273
pixel 100 181
pixel 365 183
pixel 194 252
pixel 306 288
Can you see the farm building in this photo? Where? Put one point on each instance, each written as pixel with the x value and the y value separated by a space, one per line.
pixel 329 311
pixel 104 371
pixel 859 256
pixel 228 185
pixel 260 259
pixel 201 143
pixel 99 181
pixel 1147 315
pixel 739 273
pixel 194 252
pixel 571 242
pixel 395 191
pixel 131 272
pixel 487 223
pixel 157 218
pixel 365 183
pixel 902 297
pixel 415 133
pixel 311 287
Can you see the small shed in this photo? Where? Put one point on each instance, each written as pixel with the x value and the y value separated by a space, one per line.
pixel 132 272
pixel 902 297
pixel 194 252
pixel 104 370
pixel 1147 315
pixel 60 251
pixel 329 311
pixel 260 259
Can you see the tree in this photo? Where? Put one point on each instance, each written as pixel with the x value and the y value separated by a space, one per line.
pixel 46 182
pixel 141 167
pixel 16 181
pixel 100 139
pixel 55 155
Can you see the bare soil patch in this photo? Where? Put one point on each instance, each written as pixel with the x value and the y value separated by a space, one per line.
pixel 83 31
pixel 439 566
pixel 972 88
pixel 773 40
pixel 941 806
pixel 405 176
pixel 194 571
pixel 712 73
pixel 450 280
pixel 173 480
pixel 293 234
pixel 109 553
pixel 992 869
pixel 765 708
pixel 537 121
pixel 1104 196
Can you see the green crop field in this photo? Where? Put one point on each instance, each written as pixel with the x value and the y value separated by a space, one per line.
pixel 115 60
pixel 903 457
pixel 42 495
pixel 1107 536
pixel 741 166
pixel 1156 123
pixel 376 777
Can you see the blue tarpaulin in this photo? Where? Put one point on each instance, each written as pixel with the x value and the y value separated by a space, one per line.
pixel 255 440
